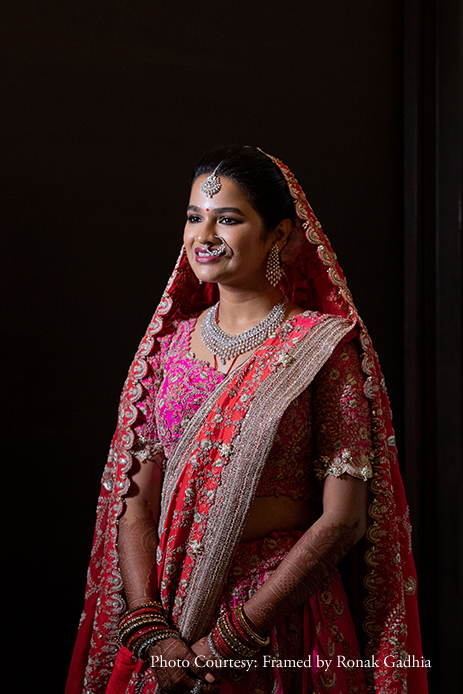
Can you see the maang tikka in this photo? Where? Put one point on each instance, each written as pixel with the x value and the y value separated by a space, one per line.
pixel 273 272
pixel 211 185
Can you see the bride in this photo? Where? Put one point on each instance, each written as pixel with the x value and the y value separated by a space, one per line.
pixel 254 449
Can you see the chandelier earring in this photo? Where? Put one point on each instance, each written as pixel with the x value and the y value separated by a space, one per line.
pixel 273 272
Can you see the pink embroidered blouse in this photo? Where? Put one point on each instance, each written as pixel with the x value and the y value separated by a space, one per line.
pixel 326 430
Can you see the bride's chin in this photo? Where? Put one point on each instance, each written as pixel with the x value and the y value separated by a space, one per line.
pixel 209 272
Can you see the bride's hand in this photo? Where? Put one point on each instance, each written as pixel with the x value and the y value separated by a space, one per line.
pixel 204 653
pixel 176 668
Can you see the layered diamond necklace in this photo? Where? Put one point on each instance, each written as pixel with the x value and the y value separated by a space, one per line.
pixel 227 346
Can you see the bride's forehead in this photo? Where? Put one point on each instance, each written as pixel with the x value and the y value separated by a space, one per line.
pixel 229 192
pixel 226 185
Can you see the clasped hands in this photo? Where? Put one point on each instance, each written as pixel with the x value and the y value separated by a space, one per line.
pixel 177 667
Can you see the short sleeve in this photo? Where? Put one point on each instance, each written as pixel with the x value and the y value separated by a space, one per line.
pixel 147 444
pixel 342 424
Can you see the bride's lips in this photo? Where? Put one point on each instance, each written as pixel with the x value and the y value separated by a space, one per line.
pixel 203 256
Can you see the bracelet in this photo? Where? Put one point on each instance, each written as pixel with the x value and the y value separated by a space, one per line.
pixel 151 607
pixel 238 613
pixel 143 626
pixel 142 645
pixel 211 643
pixel 154 604
pixel 129 626
pixel 232 640
pixel 147 629
pixel 232 637
pixel 139 622
pixel 221 651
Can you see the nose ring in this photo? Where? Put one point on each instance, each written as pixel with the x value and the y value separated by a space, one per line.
pixel 216 251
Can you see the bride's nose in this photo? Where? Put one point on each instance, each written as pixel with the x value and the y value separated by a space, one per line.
pixel 206 235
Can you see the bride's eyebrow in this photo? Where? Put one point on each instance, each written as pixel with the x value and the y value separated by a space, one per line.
pixel 235 210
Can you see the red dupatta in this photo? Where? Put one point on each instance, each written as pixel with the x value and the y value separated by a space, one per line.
pixel 313 280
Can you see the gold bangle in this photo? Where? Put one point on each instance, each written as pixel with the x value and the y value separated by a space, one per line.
pixel 148 603
pixel 233 641
pixel 261 640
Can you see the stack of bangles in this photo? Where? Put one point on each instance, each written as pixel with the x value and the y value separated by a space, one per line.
pixel 233 638
pixel 143 626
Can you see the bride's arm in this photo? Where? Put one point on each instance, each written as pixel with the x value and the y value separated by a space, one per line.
pixel 314 557
pixel 137 543
pixel 343 445
pixel 137 540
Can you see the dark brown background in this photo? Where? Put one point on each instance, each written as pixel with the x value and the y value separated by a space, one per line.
pixel 106 106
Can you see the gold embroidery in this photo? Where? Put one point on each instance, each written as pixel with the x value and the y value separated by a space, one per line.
pixel 328 681
pixel 325 465
pixel 410 586
pixel 326 597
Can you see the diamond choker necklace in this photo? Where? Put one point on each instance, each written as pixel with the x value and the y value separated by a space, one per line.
pixel 227 346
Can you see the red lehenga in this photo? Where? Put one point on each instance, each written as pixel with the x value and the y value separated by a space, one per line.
pixel 220 461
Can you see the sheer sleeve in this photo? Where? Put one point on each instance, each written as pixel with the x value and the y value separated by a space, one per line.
pixel 342 422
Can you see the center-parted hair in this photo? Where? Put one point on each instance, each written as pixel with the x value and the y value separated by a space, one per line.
pixel 260 180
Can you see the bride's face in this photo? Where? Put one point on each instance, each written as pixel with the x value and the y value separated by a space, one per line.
pixel 242 260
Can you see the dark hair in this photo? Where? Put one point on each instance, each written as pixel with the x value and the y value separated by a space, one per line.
pixel 260 179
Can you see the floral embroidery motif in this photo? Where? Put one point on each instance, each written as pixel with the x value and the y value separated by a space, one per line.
pixel 285 359
pixel 342 464
pixel 410 586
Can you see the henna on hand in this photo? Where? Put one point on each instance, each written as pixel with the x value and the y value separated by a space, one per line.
pixel 301 573
pixel 168 660
pixel 203 651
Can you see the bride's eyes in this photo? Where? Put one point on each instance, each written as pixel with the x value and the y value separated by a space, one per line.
pixel 228 220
